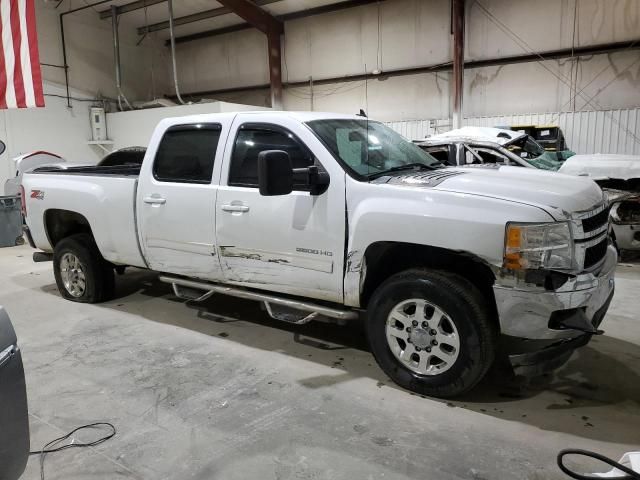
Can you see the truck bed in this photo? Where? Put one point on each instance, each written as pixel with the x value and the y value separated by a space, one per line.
pixel 104 196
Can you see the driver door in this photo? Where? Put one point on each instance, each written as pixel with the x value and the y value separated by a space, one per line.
pixel 289 243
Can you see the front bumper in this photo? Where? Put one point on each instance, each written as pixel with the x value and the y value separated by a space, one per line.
pixel 531 358
pixel 531 312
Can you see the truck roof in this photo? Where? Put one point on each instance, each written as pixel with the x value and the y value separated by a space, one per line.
pixel 301 116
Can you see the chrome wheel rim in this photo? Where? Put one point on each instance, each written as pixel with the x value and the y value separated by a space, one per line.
pixel 72 274
pixel 422 337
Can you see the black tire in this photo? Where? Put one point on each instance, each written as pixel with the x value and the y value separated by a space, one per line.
pixel 99 275
pixel 465 308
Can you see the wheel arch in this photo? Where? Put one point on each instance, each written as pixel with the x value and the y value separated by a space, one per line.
pixel 385 258
pixel 60 224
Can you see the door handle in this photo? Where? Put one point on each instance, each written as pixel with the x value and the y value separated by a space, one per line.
pixel 235 208
pixel 154 200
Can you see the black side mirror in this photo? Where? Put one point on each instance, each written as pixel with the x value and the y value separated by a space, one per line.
pixel 317 179
pixel 275 174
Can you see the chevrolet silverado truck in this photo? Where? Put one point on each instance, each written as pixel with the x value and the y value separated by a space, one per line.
pixel 329 216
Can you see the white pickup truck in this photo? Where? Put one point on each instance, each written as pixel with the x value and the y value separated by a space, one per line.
pixel 335 216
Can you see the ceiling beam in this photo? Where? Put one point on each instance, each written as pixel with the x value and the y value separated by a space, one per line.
pixel 283 18
pixel 130 7
pixel 254 16
pixel 214 12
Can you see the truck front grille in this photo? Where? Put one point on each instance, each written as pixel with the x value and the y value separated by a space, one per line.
pixel 594 254
pixel 595 222
pixel 591 236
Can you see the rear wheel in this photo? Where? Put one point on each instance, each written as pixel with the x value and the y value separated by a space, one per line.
pixel 430 332
pixel 81 273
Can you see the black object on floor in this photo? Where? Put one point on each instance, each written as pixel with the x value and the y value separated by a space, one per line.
pixel 52 447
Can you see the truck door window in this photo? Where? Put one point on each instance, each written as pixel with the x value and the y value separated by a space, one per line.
pixel 255 138
pixel 186 153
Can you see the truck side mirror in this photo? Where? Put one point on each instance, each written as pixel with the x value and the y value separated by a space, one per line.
pixel 275 174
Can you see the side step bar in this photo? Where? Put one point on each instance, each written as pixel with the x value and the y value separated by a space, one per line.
pixel 268 300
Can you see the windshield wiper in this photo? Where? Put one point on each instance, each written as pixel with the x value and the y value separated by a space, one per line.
pixel 408 166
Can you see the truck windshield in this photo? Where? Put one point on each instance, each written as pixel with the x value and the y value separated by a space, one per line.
pixel 368 148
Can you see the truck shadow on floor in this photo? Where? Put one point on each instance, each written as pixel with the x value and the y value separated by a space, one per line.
pixel 577 399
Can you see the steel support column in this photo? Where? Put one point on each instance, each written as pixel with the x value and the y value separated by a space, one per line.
pixel 275 69
pixel 457 80
pixel 273 29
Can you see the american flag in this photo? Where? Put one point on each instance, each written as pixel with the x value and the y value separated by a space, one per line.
pixel 20 77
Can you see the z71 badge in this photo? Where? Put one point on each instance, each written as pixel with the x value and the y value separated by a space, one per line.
pixel 37 194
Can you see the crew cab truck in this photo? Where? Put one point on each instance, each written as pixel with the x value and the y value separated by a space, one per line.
pixel 335 216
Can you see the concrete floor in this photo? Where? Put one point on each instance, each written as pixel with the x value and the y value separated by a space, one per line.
pixel 221 391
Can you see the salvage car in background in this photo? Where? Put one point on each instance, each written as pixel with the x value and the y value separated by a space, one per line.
pixel 14 419
pixel 330 215
pixel 618 175
pixel 520 144
pixel 28 161
pixel 550 137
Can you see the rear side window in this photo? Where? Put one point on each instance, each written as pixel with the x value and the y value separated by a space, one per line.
pixel 255 138
pixel 186 154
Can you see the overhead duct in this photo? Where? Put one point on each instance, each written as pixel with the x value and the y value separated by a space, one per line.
pixel 173 52
pixel 116 57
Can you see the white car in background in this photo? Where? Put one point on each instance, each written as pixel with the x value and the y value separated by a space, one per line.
pixel 29 161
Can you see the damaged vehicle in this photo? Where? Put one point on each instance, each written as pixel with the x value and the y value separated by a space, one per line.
pixel 522 146
pixel 550 137
pixel 617 175
pixel 329 216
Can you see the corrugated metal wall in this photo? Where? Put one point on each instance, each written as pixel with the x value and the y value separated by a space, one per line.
pixel 604 131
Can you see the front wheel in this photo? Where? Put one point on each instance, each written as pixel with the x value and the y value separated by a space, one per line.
pixel 430 333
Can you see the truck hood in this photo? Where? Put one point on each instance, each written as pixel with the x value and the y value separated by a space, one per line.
pixel 546 190
pixel 603 166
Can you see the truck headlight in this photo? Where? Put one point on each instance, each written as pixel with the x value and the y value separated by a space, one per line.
pixel 538 245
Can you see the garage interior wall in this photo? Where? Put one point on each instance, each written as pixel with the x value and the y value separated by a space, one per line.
pixel 64 130
pixel 397 34
pixel 379 37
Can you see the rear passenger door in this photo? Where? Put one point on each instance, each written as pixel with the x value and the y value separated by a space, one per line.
pixel 176 200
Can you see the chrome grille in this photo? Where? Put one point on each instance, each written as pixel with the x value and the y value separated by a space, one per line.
pixel 595 253
pixel 596 222
pixel 590 231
